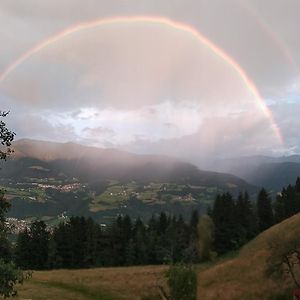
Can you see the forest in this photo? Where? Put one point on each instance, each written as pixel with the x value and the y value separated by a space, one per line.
pixel 81 242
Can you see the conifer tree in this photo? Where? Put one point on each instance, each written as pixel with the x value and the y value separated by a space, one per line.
pixel 223 215
pixel 264 211
pixel 38 245
pixel 22 253
pixel 245 219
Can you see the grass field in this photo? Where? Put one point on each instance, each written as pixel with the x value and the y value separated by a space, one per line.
pixel 239 276
pixel 102 283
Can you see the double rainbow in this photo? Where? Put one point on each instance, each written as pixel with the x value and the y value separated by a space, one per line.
pixel 185 28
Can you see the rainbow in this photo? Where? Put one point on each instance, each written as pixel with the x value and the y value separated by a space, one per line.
pixel 185 28
pixel 275 39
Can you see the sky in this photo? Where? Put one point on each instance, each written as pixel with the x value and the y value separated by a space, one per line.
pixel 196 79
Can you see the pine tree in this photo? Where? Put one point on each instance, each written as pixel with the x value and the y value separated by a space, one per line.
pixel 297 186
pixel 223 215
pixel 22 255
pixel 245 219
pixel 62 240
pixel 38 244
pixel 194 223
pixel 264 211
pixel 280 207
pixel 5 249
pixel 140 243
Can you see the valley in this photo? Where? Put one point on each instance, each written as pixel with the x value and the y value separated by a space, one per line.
pixel 44 180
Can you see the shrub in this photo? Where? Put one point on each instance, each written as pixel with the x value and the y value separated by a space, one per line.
pixel 10 276
pixel 182 281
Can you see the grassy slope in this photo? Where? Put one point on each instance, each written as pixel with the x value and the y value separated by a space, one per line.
pixel 241 277
pixel 102 283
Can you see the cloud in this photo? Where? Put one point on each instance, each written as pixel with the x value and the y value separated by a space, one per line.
pixel 149 88
pixel 98 132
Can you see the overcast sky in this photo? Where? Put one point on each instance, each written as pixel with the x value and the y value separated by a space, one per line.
pixel 154 87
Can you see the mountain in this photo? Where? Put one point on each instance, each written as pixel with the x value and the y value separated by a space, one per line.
pixel 271 172
pixel 89 163
pixel 47 179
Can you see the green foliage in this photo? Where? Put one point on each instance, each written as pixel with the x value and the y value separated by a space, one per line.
pixel 9 277
pixel 245 218
pixel 206 237
pixel 287 202
pixel 6 137
pixel 4 243
pixel 182 281
pixel 264 210
pixel 32 247
pixel 224 218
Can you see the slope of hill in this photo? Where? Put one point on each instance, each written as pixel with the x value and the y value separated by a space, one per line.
pixel 242 277
pixel 47 179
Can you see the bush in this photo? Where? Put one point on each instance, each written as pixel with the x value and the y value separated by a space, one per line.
pixel 182 281
pixel 9 276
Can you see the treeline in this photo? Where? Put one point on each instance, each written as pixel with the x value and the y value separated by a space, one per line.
pixel 83 243
pixel 238 221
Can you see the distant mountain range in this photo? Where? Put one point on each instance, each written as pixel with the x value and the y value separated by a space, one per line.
pixel 90 164
pixel 271 172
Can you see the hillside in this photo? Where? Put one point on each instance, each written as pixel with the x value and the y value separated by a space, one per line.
pixel 45 179
pixel 241 277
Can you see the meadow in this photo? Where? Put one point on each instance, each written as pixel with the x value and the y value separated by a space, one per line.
pixel 237 276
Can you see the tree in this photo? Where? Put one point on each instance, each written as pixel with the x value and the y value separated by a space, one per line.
pixel 9 277
pixel 6 137
pixel 246 221
pixel 206 236
pixel 264 210
pixel 22 255
pixel 9 274
pixel 4 243
pixel 38 244
pixel 224 218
